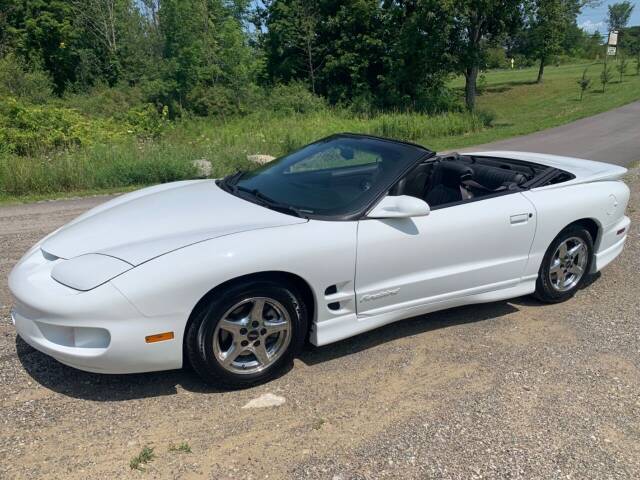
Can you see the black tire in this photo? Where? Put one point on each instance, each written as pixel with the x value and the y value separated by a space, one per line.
pixel 545 290
pixel 199 337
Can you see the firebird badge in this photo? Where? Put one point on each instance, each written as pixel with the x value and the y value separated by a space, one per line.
pixel 382 294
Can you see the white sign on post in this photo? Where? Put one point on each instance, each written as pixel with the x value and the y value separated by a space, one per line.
pixel 611 51
pixel 613 38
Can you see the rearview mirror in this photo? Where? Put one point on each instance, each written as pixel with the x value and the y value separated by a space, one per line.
pixel 402 206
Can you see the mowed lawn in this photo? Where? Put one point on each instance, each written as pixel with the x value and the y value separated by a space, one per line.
pixel 510 104
pixel 522 106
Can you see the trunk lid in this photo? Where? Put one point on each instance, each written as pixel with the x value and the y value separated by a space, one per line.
pixel 585 171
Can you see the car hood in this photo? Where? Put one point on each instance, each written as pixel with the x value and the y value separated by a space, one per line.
pixel 142 225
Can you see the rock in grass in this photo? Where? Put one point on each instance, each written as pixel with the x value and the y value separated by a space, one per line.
pixel 266 400
pixel 203 168
pixel 260 159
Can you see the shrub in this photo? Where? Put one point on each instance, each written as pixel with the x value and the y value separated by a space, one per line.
pixel 293 98
pixel 481 84
pixel 146 121
pixel 437 99
pixel 496 58
pixel 362 105
pixel 605 76
pixel 105 101
pixel 206 101
pixel 622 65
pixel 486 117
pixel 28 129
pixel 522 61
pixel 584 82
pixel 16 80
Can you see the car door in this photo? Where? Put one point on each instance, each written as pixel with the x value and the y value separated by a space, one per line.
pixel 454 251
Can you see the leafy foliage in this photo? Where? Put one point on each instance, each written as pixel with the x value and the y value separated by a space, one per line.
pixel 584 82
pixel 16 80
pixel 619 14
pixel 476 25
pixel 622 66
pixel 372 54
pixel 605 76
pixel 292 98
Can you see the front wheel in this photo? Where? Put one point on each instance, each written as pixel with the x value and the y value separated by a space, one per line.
pixel 565 265
pixel 247 334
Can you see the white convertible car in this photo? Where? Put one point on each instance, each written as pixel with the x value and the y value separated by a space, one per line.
pixel 345 235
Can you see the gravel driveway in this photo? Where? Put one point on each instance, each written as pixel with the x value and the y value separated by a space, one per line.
pixel 504 390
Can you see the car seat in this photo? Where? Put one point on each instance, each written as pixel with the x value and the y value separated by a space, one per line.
pixel 446 181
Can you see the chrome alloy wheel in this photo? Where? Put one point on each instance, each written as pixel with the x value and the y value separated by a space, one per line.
pixel 568 264
pixel 252 335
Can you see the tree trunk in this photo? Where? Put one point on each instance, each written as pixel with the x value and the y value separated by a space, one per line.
pixel 312 73
pixel 471 75
pixel 540 71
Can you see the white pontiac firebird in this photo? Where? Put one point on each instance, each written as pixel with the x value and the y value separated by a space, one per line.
pixel 342 236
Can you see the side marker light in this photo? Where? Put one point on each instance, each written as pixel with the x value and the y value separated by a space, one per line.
pixel 159 337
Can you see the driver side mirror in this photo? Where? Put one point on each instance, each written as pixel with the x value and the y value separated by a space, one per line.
pixel 402 206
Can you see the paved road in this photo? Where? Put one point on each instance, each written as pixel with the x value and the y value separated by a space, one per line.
pixel 612 136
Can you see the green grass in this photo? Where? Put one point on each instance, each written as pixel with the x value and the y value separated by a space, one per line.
pixel 182 447
pixel 44 197
pixel 522 106
pixel 145 456
pixel 515 106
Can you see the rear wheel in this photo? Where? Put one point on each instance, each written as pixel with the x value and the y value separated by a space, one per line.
pixel 247 334
pixel 565 265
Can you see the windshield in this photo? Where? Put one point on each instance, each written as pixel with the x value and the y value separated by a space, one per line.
pixel 337 176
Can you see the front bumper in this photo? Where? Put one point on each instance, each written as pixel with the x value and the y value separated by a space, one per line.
pixel 97 331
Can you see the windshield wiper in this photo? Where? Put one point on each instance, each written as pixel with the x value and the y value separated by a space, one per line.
pixel 229 182
pixel 271 203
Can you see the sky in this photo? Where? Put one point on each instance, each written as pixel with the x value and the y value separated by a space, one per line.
pixel 593 19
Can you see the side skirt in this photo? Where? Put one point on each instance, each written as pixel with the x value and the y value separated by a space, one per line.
pixel 338 329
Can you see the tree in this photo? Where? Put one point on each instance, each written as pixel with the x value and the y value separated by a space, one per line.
pixel 605 76
pixel 418 61
pixel 622 66
pixel 593 46
pixel 44 34
pixel 336 47
pixel 548 30
pixel 358 55
pixel 630 43
pixel 293 45
pixel 113 27
pixel 584 82
pixel 553 28
pixel 477 24
pixel 619 14
pixel 206 60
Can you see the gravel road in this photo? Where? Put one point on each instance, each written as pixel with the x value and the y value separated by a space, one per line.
pixel 513 389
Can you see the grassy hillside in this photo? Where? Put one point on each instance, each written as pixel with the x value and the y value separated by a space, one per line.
pixel 522 106
pixel 510 104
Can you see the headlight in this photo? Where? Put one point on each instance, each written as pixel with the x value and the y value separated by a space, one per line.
pixel 88 271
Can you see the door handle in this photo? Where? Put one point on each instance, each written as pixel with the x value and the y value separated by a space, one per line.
pixel 520 218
